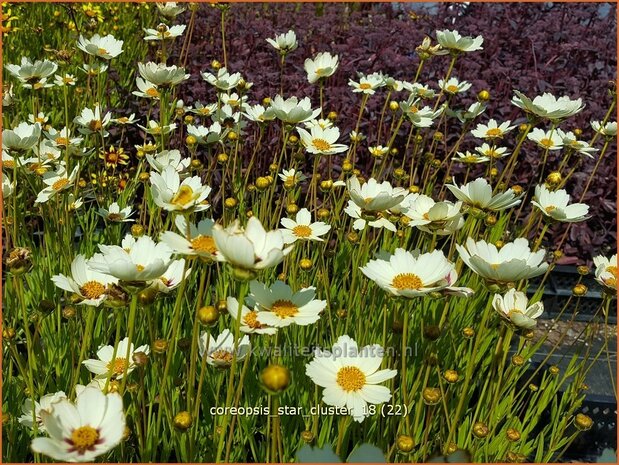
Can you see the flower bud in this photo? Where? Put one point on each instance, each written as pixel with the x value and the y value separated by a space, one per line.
pixel 332 116
pixel 233 136
pixel 196 164
pixel 8 333
pixel 583 270
pixel 468 332
pixel 275 378
pixel 405 443
pixel 431 332
pixel 292 208
pixel 140 358
pixel 307 436
pixel 480 430
pixel 160 346
pixel 215 64
pixel 512 434
pixel 518 360
pixel 191 140
pixel 393 105
pixel 262 183
pixel 583 422
pixel 147 296
pixel 222 158
pixel 137 230
pixel 431 395
pixel 346 166
pixel 222 306
pixel 554 370
pixel 579 290
pixel 208 315
pixel 451 376
pixel 182 421
pixel 414 189
pixel 323 213
pixel 69 312
pixel 305 264
pixel 554 178
pixel 19 260
pixel 483 96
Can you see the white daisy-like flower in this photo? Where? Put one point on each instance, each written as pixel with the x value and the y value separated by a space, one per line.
pixel 513 262
pixel 367 84
pixel 162 75
pixel 80 432
pixel 570 140
pixel 56 181
pixel 33 75
pixel 107 365
pixel 554 205
pixel 548 140
pixel 173 195
pixel 435 217
pixel 514 307
pixel 321 66
pixel 22 137
pixel 321 123
pixel 205 135
pixel 292 110
pixel 351 376
pixel 115 214
pixel 279 306
pixel 378 151
pixel 492 130
pixel 95 69
pixel 491 151
pixel 418 90
pixel 144 260
pixel 284 43
pixel 172 158
pixel 221 351
pixel 154 128
pixel 32 411
pixel 223 80
pixel 548 106
pixel 85 282
pixel 470 158
pixel 478 194
pixel 292 175
pixel 606 272
pixel 163 32
pixel 454 86
pixel 419 117
pixel 411 274
pixel 257 113
pixel 200 242
pixel 204 110
pixel 64 139
pixel 170 10
pixel 172 278
pixel 472 112
pixel 40 118
pixel 609 129
pixel 250 249
pixel 302 228
pixel 249 318
pixel 321 141
pixel 453 41
pixel 372 196
pixel 92 121
pixel 107 47
pixel 146 89
pixel 363 219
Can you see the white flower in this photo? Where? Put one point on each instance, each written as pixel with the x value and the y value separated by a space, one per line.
pixel 172 195
pixel 554 204
pixel 172 278
pixel 102 47
pixel 232 100
pixel 473 111
pixel 292 175
pixel 453 86
pixel 170 10
pixel 144 261
pixel 284 43
pixel 204 110
pixel 608 130
pixel 550 140
pixel 80 432
pixel 361 220
pixel 251 248
pixel 372 196
pixel 321 141
pixel 321 123
pixel 452 40
pixel 513 306
pixel 221 351
pixel 470 158
pixel 200 242
pixel 411 274
pixel 367 84
pixel 257 113
pixel 292 110
pixel 478 194
pixel 95 69
pixel 146 89
pixel 492 151
pixel 321 66
pixel 351 376
pixel 63 138
pixel 162 75
pixel 172 158
pixel 492 130
pixel 56 181
pixel 548 106
pixel 223 80
pixel 91 121
pixel 33 75
pixel 420 117
pixel 435 217
pixel 205 135
pixel 378 151
pixel 164 32
pixel 106 365
pixel 45 404
pixel 249 318
pixel 280 307
pixel 302 228
pixel 513 262
pixel 156 129
pixel 569 140
pixel 606 272
pixel 115 214
pixel 419 90
pixel 89 284
pixel 22 137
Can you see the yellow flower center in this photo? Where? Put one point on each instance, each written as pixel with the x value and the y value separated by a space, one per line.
pixel 407 281
pixel 84 438
pixel 321 144
pixel 350 378
pixel 95 125
pixel 62 140
pixel 114 217
pixel 251 320
pixel 117 366
pixel 139 268
pixel 204 111
pixel 152 92
pixel 92 289
pixel 550 208
pixel 612 270
pixel 546 142
pixel 222 356
pixel 102 51
pixel 183 196
pixel 413 109
pixel 204 244
pixel 68 80
pixel 365 86
pixel 62 182
pixel 284 309
pixel 302 230
pixel 452 88
pixel 233 102
pixel 494 132
pixel 8 164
